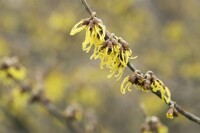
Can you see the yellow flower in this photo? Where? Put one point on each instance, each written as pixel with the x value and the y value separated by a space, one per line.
pixel 117 71
pixel 78 27
pixel 172 112
pixel 125 52
pixel 125 55
pixel 19 100
pixel 5 79
pixel 138 87
pixel 110 57
pixel 162 129
pixel 114 56
pixel 114 53
pixel 18 73
pixel 95 32
pixel 94 37
pixel 158 86
pixel 146 132
pixel 169 115
pixel 126 84
pixel 12 73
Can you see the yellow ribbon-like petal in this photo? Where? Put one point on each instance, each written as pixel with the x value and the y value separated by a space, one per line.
pixel 77 29
pixel 125 85
pixel 165 94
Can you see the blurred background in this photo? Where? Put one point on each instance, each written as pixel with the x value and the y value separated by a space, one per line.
pixel 164 34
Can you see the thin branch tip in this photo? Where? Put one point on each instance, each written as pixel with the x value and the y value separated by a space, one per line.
pixel 87 7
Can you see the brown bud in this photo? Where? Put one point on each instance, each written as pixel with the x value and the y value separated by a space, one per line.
pixel 147 84
pixel 139 75
pixel 86 21
pixel 132 78
pixel 171 113
pixel 93 14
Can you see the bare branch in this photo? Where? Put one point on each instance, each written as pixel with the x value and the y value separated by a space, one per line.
pixel 39 97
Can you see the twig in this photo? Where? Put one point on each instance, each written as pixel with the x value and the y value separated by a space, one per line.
pixel 188 115
pixel 131 66
pixel 143 111
pixel 39 97
pixel 87 7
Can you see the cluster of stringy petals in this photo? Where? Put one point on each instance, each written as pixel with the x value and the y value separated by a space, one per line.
pixel 136 78
pixel 113 52
pixel 153 125
pixel 147 82
pixel 95 32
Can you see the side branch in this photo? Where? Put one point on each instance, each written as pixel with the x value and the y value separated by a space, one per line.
pixel 37 95
pixel 188 115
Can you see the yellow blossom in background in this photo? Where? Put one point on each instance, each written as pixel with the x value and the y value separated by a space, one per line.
pixel 55 84
pixel 163 129
pixel 12 73
pixel 153 125
pixel 19 100
pixel 59 21
pixel 18 73
pixel 4 49
pixel 174 31
pixel 74 111
pixel 5 79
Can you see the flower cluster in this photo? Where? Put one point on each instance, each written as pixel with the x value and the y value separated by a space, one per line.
pixel 113 52
pixel 73 112
pixel 11 70
pixel 153 124
pixel 95 32
pixel 147 82
pixel 172 112
pixel 136 78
